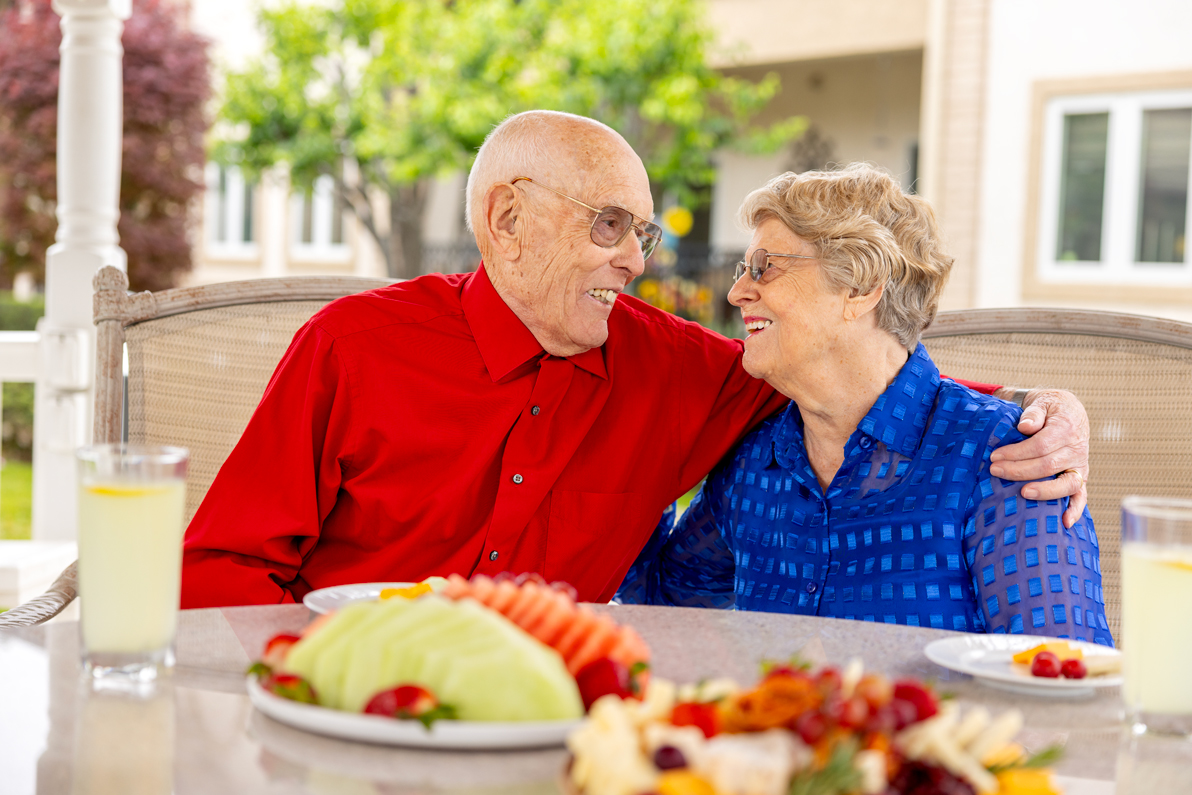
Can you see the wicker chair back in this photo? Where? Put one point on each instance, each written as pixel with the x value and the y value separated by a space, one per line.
pixel 1134 376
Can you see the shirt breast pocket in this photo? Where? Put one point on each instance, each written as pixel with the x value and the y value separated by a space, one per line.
pixel 589 536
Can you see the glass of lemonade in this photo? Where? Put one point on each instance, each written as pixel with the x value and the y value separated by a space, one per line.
pixel 1157 614
pixel 131 505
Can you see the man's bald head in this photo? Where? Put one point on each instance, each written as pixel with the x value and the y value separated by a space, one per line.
pixel 561 149
pixel 537 245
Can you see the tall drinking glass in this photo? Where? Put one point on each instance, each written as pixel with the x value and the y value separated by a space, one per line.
pixel 130 558
pixel 1157 614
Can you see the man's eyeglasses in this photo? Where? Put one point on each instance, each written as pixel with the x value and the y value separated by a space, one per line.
pixel 759 263
pixel 613 223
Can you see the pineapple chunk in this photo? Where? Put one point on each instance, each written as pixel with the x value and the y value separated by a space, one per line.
pixel 411 592
pixel 1059 648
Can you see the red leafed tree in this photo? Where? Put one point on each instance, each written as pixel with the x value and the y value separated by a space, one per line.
pixel 166 87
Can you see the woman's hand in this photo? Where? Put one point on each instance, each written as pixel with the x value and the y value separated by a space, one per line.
pixel 1058 427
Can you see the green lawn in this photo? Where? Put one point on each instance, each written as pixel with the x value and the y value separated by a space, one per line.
pixel 16 499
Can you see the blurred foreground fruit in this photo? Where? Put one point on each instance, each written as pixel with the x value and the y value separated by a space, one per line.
pixel 407 702
pixel 290 686
pixel 277 648
pixel 603 677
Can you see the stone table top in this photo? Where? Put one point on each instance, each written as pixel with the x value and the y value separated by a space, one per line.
pixel 199 733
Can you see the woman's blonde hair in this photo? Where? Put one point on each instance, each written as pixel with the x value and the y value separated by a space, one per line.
pixel 867 233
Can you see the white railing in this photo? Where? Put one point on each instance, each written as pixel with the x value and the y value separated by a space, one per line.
pixel 28 567
pixel 20 356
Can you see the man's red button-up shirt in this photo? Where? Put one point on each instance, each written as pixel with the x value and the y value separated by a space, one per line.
pixel 420 429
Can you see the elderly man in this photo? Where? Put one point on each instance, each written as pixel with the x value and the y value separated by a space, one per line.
pixel 525 417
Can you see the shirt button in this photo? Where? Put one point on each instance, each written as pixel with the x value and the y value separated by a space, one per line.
pixel 535 411
pixel 810 586
pixel 866 442
pixel 516 479
pixel 492 555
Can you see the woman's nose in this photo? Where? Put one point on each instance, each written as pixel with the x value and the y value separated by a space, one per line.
pixel 743 290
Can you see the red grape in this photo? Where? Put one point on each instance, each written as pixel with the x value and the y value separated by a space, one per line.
pixel 1074 669
pixel 667 757
pixel 1045 664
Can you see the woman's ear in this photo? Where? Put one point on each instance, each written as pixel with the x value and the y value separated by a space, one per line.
pixel 857 306
pixel 504 220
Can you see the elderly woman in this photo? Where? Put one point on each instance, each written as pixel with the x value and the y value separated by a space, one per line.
pixel 870 496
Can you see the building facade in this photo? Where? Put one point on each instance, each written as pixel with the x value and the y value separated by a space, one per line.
pixel 1051 136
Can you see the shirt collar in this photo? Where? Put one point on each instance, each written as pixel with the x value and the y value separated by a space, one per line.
pixel 504 341
pixel 898 419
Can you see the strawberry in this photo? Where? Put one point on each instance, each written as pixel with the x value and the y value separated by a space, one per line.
pixel 602 677
pixel 291 686
pixel 701 716
pixel 828 680
pixel 922 699
pixel 277 648
pixel 409 702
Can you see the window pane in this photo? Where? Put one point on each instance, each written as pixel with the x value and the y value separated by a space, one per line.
pixel 1082 186
pixel 247 235
pixel 221 227
pixel 1163 197
pixel 308 212
pixel 337 214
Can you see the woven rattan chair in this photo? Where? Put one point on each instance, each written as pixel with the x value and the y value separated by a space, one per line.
pixel 1134 376
pixel 198 362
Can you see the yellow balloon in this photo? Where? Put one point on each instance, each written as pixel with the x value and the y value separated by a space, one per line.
pixel 678 220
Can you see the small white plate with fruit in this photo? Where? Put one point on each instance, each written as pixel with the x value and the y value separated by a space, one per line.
pixel 1030 664
pixel 328 600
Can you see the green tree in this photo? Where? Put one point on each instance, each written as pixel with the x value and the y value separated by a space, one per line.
pixel 388 95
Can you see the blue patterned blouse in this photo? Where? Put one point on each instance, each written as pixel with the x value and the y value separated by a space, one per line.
pixel 912 530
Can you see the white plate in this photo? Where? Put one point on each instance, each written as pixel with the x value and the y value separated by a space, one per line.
pixel 988 658
pixel 324 600
pixel 444 734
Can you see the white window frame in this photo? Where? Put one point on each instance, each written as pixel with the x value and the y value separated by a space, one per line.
pixel 1123 163
pixel 320 249
pixel 232 207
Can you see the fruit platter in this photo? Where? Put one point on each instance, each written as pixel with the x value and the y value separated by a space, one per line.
pixel 516 663
pixel 801 732
pixel 481 663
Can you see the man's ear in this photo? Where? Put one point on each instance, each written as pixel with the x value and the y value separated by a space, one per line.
pixel 504 220
pixel 857 306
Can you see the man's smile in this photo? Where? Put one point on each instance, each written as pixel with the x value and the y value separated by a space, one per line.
pixel 604 296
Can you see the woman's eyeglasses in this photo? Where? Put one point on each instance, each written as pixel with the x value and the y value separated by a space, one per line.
pixel 613 223
pixel 759 263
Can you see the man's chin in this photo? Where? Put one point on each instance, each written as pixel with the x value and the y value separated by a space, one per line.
pixel 593 337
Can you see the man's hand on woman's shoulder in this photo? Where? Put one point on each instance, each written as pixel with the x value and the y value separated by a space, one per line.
pixel 1058 429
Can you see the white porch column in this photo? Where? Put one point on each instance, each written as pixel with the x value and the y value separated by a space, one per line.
pixel 90 121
